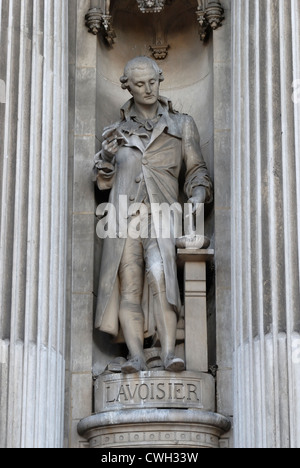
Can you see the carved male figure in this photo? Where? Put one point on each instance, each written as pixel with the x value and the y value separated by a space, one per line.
pixel 141 158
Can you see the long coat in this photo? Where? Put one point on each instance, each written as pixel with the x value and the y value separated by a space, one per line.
pixel 175 140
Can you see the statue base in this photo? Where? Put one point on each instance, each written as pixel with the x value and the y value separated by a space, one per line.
pixel 168 428
pixel 154 409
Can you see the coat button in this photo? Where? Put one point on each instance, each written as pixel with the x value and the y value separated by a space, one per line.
pixel 145 162
pixel 138 180
pixel 132 198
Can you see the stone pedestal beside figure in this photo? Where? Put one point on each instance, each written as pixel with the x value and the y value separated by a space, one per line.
pixel 141 160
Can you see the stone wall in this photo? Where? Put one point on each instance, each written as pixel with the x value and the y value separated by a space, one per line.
pixel 81 221
pixel 222 53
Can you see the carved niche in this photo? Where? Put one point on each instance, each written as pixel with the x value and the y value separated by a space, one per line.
pixel 210 15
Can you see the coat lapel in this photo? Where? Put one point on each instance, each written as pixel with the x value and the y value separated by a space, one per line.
pixel 168 124
pixel 134 141
pixel 158 130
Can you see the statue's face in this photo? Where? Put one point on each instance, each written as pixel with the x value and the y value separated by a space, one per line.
pixel 144 85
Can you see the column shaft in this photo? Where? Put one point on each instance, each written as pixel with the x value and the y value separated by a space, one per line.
pixel 33 199
pixel 266 222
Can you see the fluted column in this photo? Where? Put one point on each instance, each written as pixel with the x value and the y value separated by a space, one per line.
pixel 33 202
pixel 266 222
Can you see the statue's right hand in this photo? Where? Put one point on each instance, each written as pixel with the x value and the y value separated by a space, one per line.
pixel 110 148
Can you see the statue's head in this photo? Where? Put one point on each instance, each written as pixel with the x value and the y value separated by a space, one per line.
pixel 142 78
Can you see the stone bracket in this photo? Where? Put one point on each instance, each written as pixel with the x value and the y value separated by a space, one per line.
pixel 210 17
pixel 99 22
pixel 160 46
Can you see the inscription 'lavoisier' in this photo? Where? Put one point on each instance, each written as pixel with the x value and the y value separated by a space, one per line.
pixel 154 390
pixel 162 391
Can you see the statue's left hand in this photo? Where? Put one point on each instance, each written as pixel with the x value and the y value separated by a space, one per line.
pixel 198 198
pixel 195 201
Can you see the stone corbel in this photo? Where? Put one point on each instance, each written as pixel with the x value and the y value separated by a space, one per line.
pixel 160 46
pixel 210 15
pixel 98 20
pixel 159 51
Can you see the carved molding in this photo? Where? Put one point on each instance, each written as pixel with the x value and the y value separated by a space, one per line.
pixel 171 428
pixel 147 438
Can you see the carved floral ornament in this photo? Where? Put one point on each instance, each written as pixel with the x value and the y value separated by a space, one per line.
pixel 210 15
pixel 151 6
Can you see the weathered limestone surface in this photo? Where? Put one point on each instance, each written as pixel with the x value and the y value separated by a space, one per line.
pixel 33 200
pixel 265 223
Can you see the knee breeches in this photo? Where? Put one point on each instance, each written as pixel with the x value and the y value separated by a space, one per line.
pixel 141 255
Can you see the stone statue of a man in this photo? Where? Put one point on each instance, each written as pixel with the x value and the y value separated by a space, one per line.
pixel 141 158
